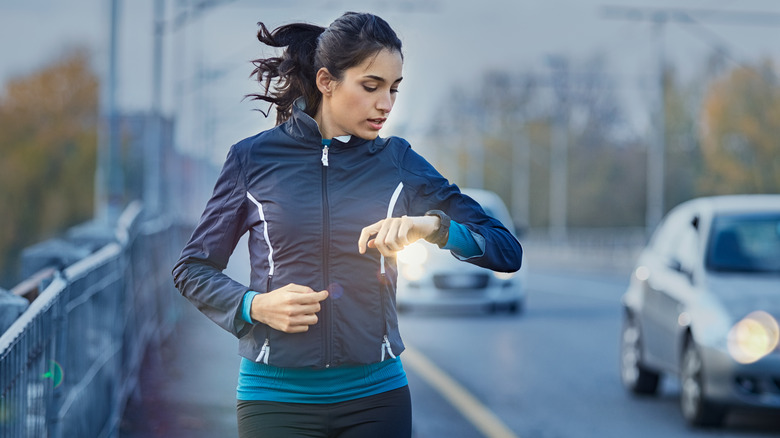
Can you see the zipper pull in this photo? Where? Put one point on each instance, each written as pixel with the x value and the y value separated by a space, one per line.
pixel 264 353
pixel 386 349
pixel 324 158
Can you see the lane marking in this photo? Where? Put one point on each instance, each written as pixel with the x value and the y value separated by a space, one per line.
pixel 472 409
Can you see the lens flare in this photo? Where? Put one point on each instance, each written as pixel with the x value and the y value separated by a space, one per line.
pixel 414 254
pixel 642 273
pixel 504 275
pixel 5 411
pixel 413 272
pixel 54 373
pixel 753 337
pixel 335 291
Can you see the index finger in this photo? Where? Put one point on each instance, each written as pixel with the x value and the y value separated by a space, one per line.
pixel 311 297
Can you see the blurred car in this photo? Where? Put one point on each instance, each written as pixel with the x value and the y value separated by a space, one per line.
pixel 703 304
pixel 431 277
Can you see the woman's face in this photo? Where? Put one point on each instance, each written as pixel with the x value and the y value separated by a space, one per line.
pixel 360 103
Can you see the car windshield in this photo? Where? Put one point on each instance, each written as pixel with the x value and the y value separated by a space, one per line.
pixel 745 243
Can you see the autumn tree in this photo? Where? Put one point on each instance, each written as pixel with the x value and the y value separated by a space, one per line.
pixel 48 125
pixel 740 128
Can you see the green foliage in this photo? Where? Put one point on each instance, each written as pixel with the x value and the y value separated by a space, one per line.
pixel 48 129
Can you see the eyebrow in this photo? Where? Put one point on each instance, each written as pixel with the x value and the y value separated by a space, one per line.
pixel 381 79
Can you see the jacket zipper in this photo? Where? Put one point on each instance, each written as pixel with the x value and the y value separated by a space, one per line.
pixel 327 320
pixel 386 348
pixel 265 351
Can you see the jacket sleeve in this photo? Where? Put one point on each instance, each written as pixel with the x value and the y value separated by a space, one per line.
pixel 502 252
pixel 198 273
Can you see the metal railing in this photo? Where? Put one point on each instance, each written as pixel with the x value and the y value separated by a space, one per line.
pixel 70 362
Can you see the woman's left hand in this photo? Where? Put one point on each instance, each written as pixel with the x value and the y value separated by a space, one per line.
pixel 394 234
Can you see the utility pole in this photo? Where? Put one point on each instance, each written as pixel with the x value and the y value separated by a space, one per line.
pixel 153 156
pixel 521 179
pixel 656 153
pixel 660 16
pixel 109 178
pixel 559 151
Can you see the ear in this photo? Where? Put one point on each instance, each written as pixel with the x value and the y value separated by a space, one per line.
pixel 325 81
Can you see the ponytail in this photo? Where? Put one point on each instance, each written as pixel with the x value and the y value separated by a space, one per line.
pixel 347 42
pixel 293 72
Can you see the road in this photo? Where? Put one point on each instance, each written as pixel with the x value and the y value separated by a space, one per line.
pixel 551 372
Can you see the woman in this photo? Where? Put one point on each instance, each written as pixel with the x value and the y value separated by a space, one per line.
pixel 327 204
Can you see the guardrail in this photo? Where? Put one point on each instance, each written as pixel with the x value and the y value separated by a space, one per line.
pixel 70 362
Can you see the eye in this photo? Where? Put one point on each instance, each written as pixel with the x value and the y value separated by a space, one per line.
pixel 369 89
pixel 394 90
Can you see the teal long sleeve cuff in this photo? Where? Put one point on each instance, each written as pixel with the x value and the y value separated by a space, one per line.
pixel 463 242
pixel 246 307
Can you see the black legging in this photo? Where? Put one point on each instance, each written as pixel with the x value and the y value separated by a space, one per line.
pixel 385 415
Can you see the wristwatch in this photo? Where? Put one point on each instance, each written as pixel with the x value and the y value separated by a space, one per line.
pixel 440 236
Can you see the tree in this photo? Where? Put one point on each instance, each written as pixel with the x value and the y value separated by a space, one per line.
pixel 740 127
pixel 683 161
pixel 48 126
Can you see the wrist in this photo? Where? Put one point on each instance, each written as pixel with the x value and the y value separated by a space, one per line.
pixel 440 235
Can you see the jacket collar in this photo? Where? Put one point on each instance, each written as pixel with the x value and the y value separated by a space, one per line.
pixel 304 128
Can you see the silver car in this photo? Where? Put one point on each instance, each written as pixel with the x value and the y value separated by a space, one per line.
pixel 703 304
pixel 431 277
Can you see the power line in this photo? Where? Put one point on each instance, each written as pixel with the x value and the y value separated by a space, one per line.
pixel 660 17
pixel 734 17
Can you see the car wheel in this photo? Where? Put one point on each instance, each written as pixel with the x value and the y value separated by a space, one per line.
pixel 634 375
pixel 516 307
pixel 696 410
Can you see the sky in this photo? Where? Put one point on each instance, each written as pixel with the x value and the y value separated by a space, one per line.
pixel 448 45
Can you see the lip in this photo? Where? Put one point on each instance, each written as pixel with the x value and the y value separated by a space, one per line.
pixel 377 123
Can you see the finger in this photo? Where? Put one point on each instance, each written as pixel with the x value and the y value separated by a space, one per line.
pixel 392 243
pixel 298 288
pixel 309 298
pixel 381 234
pixel 404 230
pixel 296 329
pixel 304 320
pixel 366 234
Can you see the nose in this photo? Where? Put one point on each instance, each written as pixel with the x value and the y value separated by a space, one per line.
pixel 385 102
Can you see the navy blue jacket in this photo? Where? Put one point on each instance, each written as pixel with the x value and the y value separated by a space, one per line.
pixel 304 219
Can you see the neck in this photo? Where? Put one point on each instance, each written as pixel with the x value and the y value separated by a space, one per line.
pixel 319 117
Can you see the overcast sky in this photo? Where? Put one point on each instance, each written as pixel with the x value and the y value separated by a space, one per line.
pixel 447 44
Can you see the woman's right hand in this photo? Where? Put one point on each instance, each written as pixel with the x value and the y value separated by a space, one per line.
pixel 291 309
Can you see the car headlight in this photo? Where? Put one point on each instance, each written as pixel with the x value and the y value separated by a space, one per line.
pixel 753 337
pixel 414 254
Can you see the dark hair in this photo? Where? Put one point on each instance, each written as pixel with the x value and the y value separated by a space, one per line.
pixel 347 42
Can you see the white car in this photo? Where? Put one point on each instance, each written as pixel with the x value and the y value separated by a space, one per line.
pixel 703 304
pixel 431 277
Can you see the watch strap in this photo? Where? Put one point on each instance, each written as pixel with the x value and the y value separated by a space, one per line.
pixel 442 234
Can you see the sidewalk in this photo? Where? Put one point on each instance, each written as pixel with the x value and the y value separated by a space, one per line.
pixel 188 386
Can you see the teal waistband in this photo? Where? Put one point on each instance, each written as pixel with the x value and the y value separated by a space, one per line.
pixel 258 381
